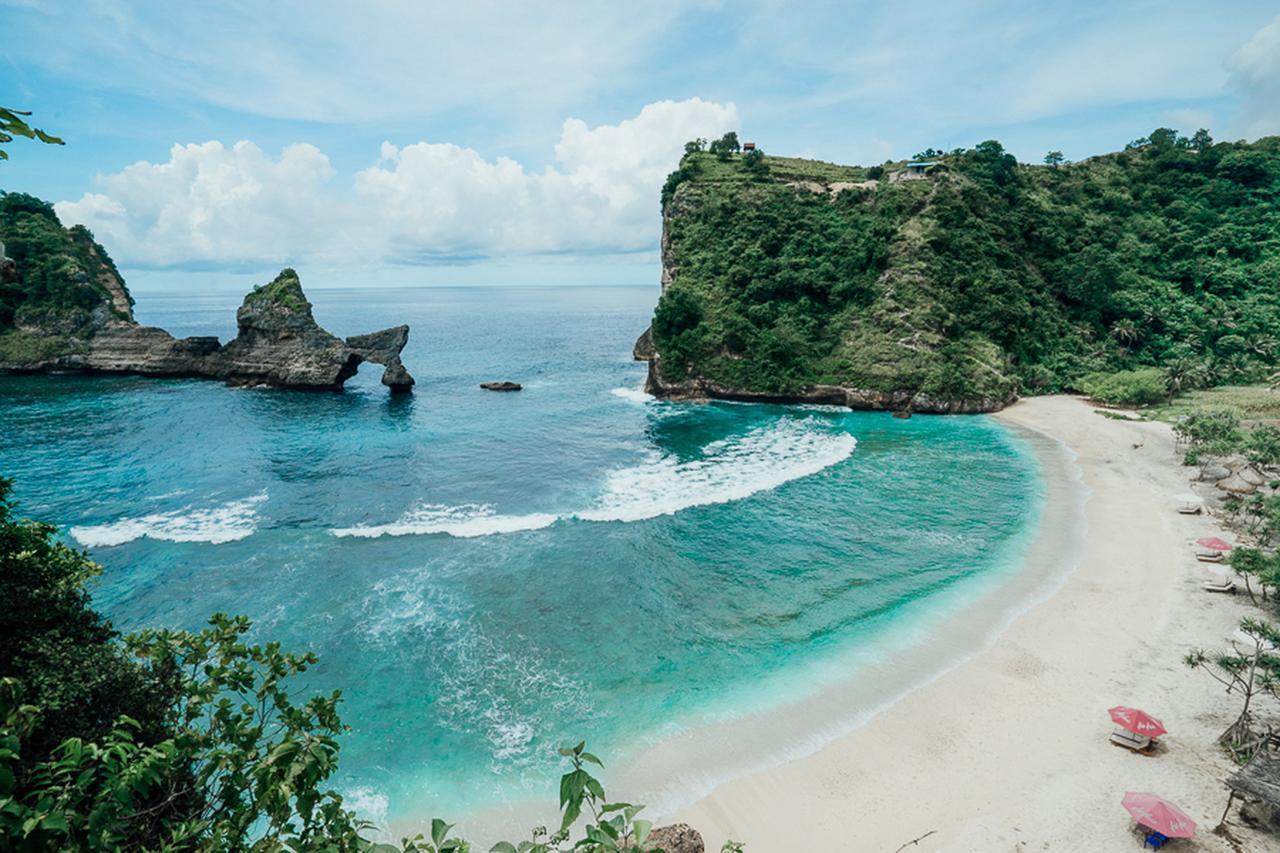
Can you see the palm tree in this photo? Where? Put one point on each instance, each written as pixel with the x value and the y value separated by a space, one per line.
pixel 1183 373
pixel 1125 332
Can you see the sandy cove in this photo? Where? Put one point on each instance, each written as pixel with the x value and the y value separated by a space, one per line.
pixel 1008 751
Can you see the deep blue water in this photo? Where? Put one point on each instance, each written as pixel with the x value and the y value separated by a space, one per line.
pixel 489 575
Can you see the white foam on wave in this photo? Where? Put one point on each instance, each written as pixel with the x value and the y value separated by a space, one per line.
pixel 828 408
pixel 727 470
pixel 634 395
pixel 465 522
pixel 372 805
pixel 226 522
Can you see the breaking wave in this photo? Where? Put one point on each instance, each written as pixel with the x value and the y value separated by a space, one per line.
pixel 464 522
pixel 727 470
pixel 224 523
pixel 634 395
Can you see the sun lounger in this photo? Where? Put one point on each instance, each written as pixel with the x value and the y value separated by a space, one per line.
pixel 1220 585
pixel 1129 740
pixel 1209 556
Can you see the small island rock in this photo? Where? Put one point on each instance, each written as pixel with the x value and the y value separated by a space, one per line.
pixel 501 386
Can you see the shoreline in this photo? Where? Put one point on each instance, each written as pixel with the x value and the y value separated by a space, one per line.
pixel 1008 747
pixel 916 645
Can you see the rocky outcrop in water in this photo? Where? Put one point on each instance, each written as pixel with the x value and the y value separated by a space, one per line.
pixel 501 386
pixel 278 344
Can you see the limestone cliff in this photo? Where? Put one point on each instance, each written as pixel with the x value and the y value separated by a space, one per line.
pixel 956 284
pixel 65 308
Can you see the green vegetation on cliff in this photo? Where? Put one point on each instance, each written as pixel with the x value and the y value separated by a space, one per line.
pixel 56 271
pixel 285 289
pixel 986 278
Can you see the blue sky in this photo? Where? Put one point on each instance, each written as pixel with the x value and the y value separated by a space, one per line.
pixel 511 142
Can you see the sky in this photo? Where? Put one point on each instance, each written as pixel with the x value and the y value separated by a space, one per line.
pixel 393 142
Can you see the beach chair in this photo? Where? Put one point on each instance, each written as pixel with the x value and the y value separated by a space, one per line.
pixel 1209 556
pixel 1155 840
pixel 1131 741
pixel 1220 584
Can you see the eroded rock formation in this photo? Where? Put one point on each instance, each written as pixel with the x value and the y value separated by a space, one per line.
pixel 278 343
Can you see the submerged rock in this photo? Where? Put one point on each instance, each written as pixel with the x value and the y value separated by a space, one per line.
pixel 501 386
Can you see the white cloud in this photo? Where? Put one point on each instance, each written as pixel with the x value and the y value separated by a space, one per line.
pixel 1255 74
pixel 216 205
pixel 332 61
pixel 212 204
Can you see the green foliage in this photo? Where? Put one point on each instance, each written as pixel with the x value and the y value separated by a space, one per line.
pixel 1250 670
pixel 1213 433
pixel 753 163
pixel 57 268
pixel 1254 564
pixel 65 652
pixel 1166 255
pixel 725 145
pixel 1140 387
pixel 1246 402
pixel 182 740
pixel 1262 445
pixel 13 123
pixel 1054 158
pixel 22 348
pixel 284 290
pixel 694 146
pixel 189 740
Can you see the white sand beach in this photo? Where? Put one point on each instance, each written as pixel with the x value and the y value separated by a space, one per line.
pixel 1008 751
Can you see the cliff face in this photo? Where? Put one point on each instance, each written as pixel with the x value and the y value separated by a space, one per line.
pixel 957 287
pixel 68 310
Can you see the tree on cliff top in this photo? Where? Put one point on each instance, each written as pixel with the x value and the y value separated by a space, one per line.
pixel 725 145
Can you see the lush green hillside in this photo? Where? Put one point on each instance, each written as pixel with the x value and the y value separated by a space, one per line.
pixel 56 271
pixel 984 279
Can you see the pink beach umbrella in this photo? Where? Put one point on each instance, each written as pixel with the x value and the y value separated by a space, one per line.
pixel 1154 813
pixel 1136 721
pixel 1213 543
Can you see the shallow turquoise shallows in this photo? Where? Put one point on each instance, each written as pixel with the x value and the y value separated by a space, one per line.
pixel 487 575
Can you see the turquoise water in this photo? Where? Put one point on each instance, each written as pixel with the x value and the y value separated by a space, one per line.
pixel 489 575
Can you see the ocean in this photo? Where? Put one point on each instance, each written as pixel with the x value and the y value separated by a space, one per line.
pixel 488 576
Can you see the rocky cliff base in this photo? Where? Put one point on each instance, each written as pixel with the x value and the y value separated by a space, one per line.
pixel 701 389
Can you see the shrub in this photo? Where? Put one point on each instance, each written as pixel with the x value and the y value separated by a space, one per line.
pixel 1141 387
